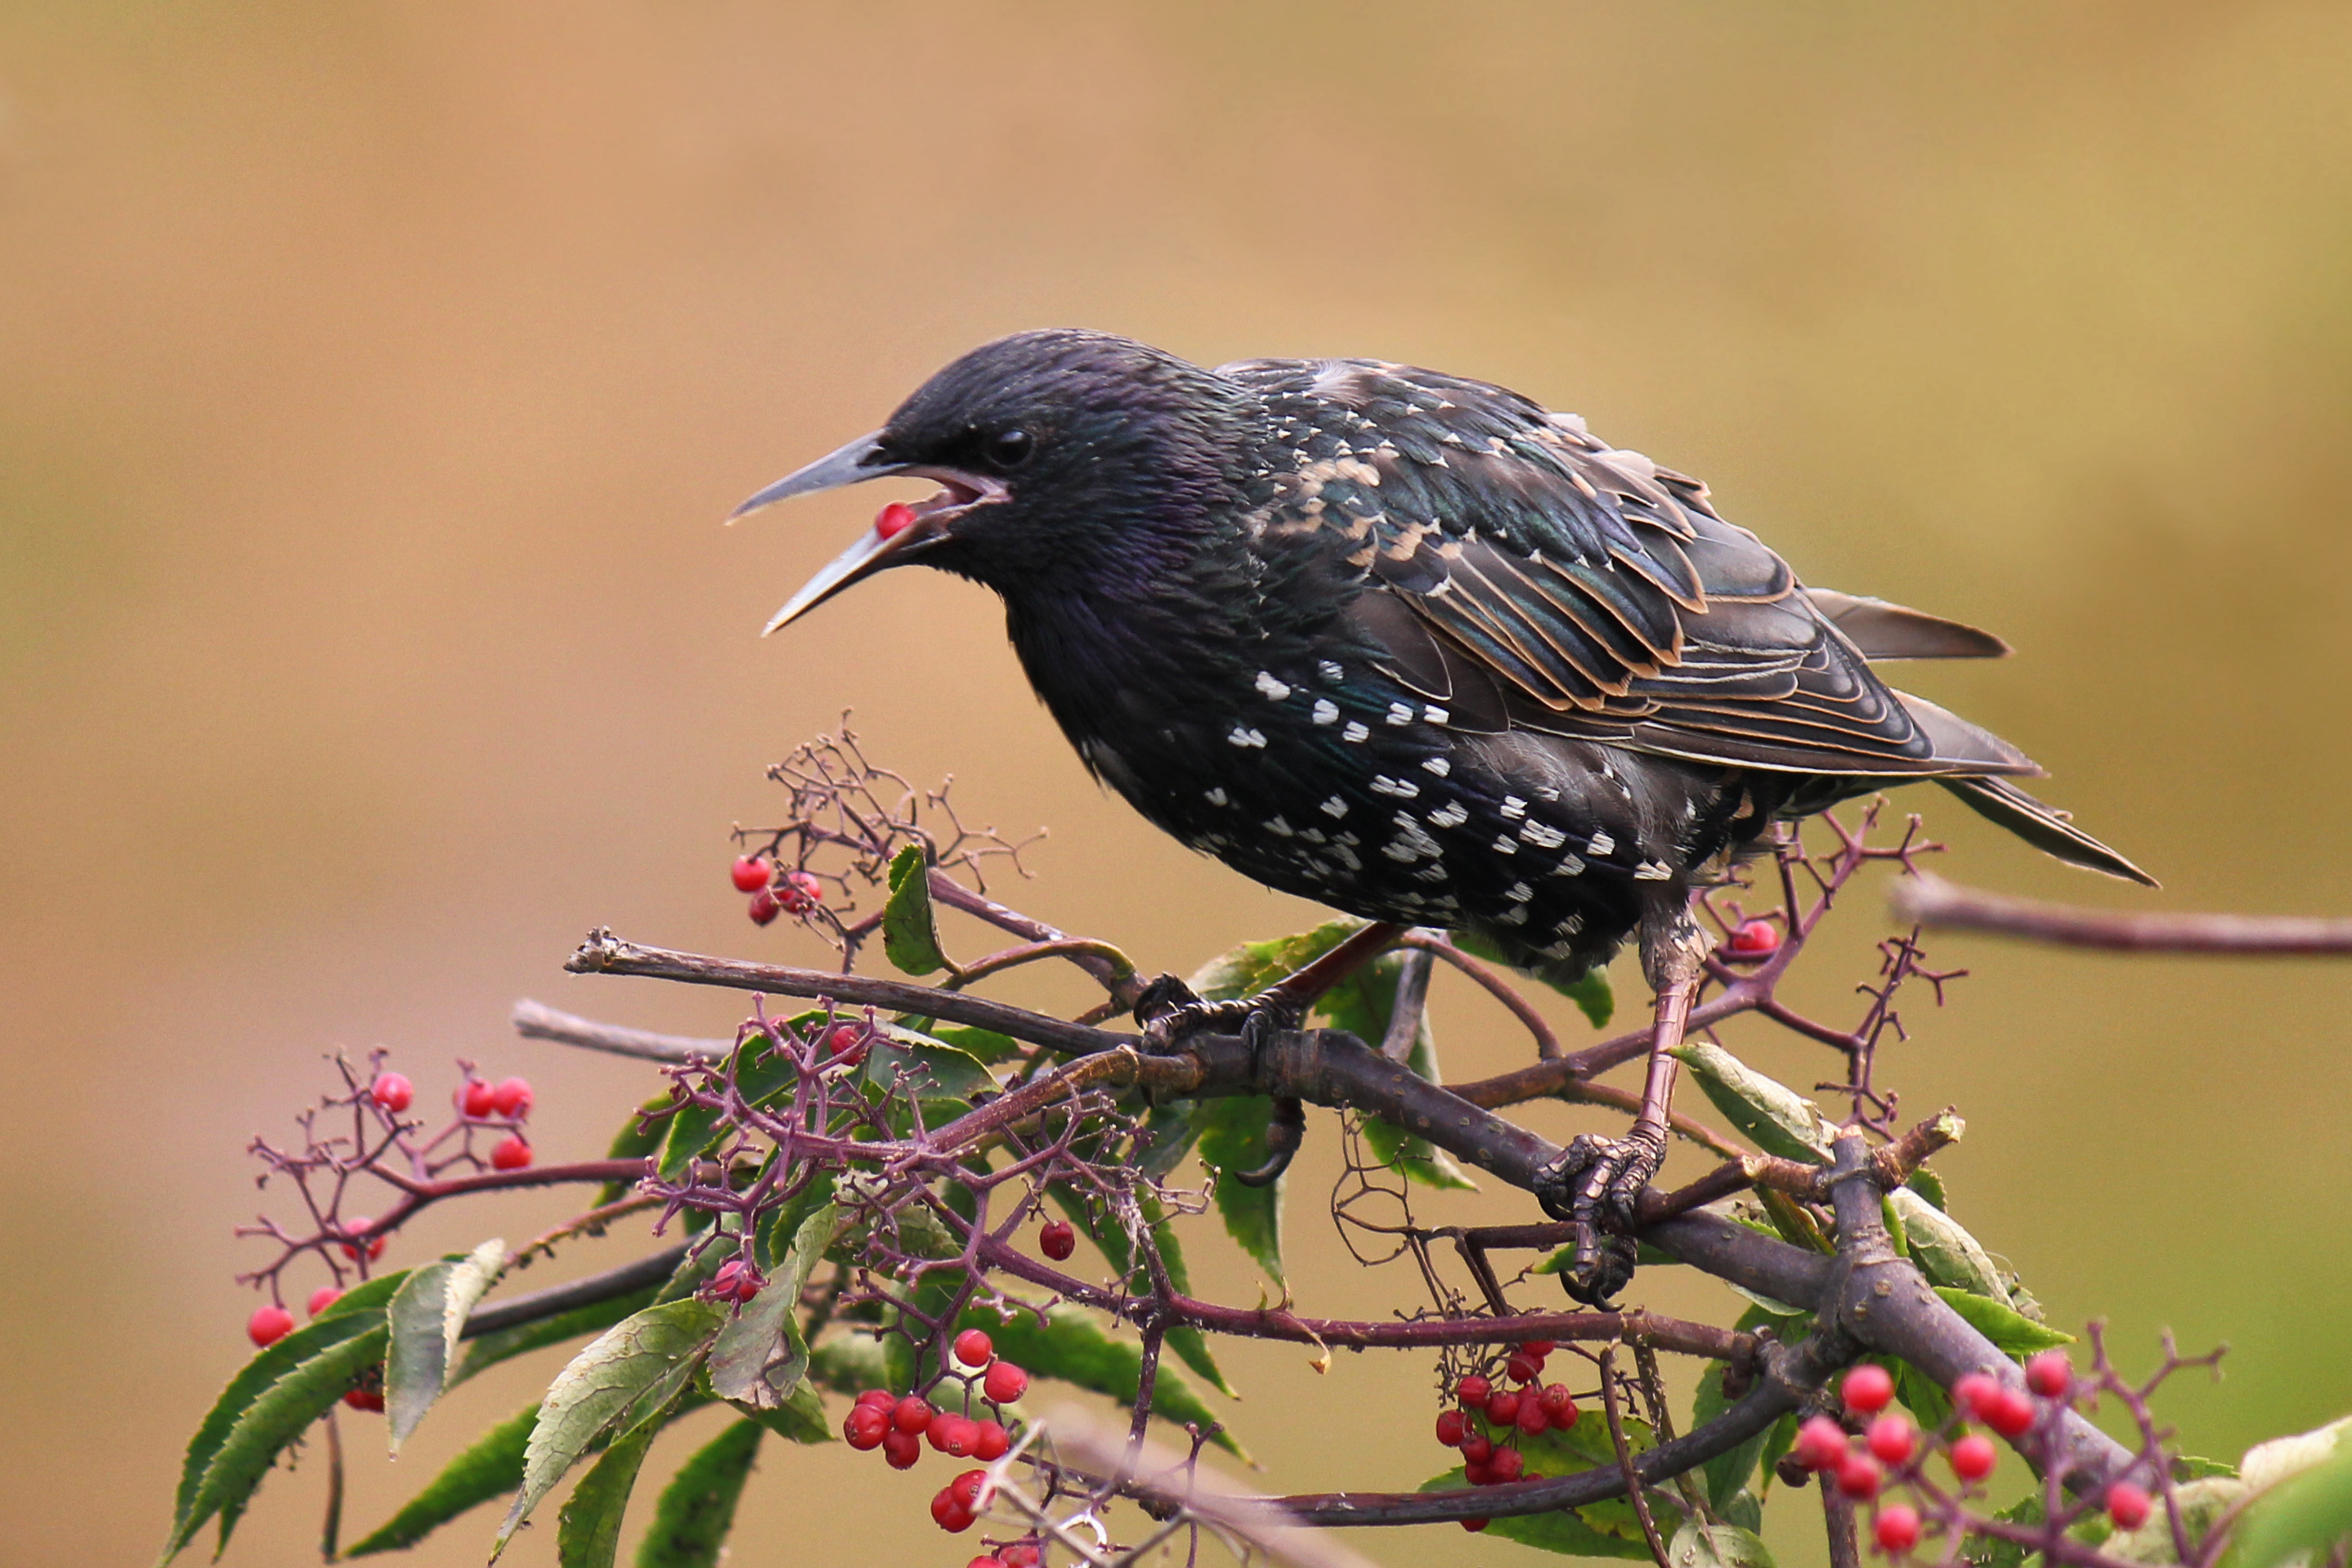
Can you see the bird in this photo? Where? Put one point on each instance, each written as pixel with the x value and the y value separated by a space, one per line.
pixel 1418 648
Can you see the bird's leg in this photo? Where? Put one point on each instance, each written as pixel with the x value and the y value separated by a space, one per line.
pixel 1596 1185
pixel 1169 1010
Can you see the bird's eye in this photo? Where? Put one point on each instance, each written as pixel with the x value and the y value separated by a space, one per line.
pixel 1008 449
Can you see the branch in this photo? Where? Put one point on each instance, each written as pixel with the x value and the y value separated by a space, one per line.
pixel 538 1021
pixel 651 1270
pixel 1929 900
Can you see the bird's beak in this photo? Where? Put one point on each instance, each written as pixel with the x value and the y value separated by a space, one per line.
pixel 881 546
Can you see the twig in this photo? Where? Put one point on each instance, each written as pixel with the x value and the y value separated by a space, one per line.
pixel 515 1310
pixel 1634 1491
pixel 1494 984
pixel 1932 901
pixel 538 1021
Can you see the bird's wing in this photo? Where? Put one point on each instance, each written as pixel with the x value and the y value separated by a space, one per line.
pixel 1537 578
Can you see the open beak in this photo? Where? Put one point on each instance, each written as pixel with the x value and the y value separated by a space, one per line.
pixel 896 537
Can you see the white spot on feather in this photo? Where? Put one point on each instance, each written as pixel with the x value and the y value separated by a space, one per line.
pixel 1325 710
pixel 1241 736
pixel 1275 689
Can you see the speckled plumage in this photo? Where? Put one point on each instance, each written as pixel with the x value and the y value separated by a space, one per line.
pixel 1413 646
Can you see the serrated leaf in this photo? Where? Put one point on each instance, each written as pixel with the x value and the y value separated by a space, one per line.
pixel 2011 1332
pixel 1928 1186
pixel 761 1356
pixel 698 1508
pixel 588 1528
pixel 1768 1114
pixel 1697 1545
pixel 1232 1132
pixel 490 1468
pixel 934 1070
pixel 1074 1347
pixel 1567 1531
pixel 1251 967
pixel 644 1360
pixel 799 1418
pixel 910 934
pixel 1947 1254
pixel 356 1311
pixel 1191 1345
pixel 486 1351
pixel 427 1315
pixel 984 1046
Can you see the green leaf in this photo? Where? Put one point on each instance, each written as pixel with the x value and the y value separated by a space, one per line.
pixel 1250 968
pixel 1233 1137
pixel 486 1351
pixel 638 1139
pixel 851 1363
pixel 761 1356
pixel 1075 1348
pixel 588 1530
pixel 1362 1005
pixel 1779 1438
pixel 1697 1545
pixel 1191 1345
pixel 283 1413
pixel 427 1315
pixel 491 1467
pixel 1928 1186
pixel 799 1418
pixel 984 1046
pixel 760 1071
pixel 935 1070
pixel 698 1508
pixel 2011 1332
pixel 1921 1395
pixel 1589 990
pixel 2303 1501
pixel 358 1311
pixel 1768 1114
pixel 644 1361
pixel 1567 1533
pixel 910 935
pixel 1726 1474
pixel 1945 1251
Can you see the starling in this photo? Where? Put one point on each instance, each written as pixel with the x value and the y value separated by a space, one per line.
pixel 1419 648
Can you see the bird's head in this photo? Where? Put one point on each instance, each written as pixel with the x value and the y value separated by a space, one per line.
pixel 1057 453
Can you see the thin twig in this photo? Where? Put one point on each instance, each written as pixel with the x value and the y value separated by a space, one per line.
pixel 1930 900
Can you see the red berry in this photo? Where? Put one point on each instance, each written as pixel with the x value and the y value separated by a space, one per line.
pixel 1057 1239
pixel 2050 1374
pixel 974 1348
pixel 949 1433
pixel 951 1515
pixel 893 520
pixel 1477 1449
pixel 1972 1458
pixel 1559 1405
pixel 353 1227
pixel 480 1097
pixel 1890 1438
pixel 365 1399
pixel 965 1488
pixel 324 1297
pixel 1020 1555
pixel 801 892
pixel 511 1154
pixel 1478 1475
pixel 986 1563
pixel 866 1426
pixel 989 1442
pixel 1507 1464
pixel 1004 1382
pixel 1976 1393
pixel 881 1396
pixel 1452 1428
pixel 1867 1388
pixel 1532 1418
pixel 268 1325
pixel 1898 1527
pixel 846 1044
pixel 512 1097
pixel 1858 1477
pixel 1754 939
pixel 1820 1444
pixel 763 908
pixel 751 873
pixel 392 1091
pixel 910 1414
pixel 1473 1525
pixel 1539 1347
pixel 901 1448
pixel 2126 1505
pixel 1472 1389
pixel 2011 1414
pixel 1503 1407
pixel 1522 1368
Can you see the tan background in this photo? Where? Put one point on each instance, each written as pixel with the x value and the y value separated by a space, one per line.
pixel 375 378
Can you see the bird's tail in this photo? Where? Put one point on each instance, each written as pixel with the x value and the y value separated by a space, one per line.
pixel 2045 827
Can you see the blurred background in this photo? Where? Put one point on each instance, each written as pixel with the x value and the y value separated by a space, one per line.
pixel 375 378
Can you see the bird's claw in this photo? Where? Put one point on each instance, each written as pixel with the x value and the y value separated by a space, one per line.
pixel 1596 1186
pixel 1169 1010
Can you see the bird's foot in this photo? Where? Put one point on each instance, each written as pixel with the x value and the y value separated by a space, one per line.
pixel 1596 1186
pixel 1171 1010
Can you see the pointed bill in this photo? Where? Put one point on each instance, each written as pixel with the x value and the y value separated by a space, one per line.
pixel 860 460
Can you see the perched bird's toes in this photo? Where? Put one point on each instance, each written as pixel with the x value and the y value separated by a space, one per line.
pixel 1596 1186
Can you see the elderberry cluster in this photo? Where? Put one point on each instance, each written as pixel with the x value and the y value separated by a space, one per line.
pixel 1488 1421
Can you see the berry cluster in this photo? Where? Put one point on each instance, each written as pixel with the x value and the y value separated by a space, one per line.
pixel 1893 1452
pixel 899 1424
pixel 1487 1421
pixel 794 893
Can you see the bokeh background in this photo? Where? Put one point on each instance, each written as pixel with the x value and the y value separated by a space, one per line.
pixel 375 378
